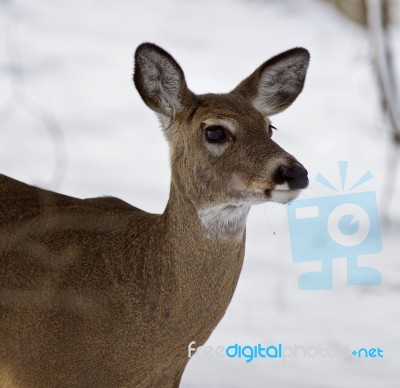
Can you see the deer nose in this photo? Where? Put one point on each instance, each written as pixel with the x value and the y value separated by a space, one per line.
pixel 295 176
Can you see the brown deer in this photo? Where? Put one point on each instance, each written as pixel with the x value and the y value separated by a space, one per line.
pixel 98 293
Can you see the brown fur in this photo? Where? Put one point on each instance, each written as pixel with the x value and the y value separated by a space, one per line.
pixel 98 293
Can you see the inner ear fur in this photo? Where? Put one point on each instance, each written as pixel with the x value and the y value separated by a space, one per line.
pixel 274 86
pixel 160 80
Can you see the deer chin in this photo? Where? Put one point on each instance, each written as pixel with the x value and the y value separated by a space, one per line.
pixel 282 194
pixel 226 220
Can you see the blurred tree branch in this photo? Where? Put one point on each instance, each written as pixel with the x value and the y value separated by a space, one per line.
pixel 375 16
pixel 20 99
pixel 382 52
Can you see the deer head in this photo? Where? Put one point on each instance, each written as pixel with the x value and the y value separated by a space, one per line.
pixel 223 155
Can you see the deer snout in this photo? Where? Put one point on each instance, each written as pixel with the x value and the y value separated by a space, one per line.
pixel 296 176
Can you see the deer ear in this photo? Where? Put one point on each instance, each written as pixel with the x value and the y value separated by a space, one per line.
pixel 160 81
pixel 277 82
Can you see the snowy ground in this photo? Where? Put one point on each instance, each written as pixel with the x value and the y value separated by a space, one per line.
pixel 77 61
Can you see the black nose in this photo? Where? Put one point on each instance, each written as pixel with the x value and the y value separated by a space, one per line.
pixel 295 176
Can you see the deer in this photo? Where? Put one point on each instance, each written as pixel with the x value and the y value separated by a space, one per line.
pixel 98 293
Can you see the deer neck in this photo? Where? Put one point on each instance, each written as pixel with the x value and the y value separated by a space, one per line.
pixel 206 267
pixel 212 226
pixel 199 248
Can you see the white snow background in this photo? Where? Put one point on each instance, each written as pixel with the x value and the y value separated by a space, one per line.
pixel 77 60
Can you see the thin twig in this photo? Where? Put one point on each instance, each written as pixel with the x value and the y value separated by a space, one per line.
pixel 20 99
pixel 386 77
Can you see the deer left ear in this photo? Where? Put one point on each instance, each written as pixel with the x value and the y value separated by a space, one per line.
pixel 277 82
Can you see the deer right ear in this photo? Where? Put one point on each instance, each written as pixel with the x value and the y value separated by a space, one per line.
pixel 277 82
pixel 160 81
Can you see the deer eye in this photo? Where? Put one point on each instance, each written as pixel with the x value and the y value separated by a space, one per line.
pixel 271 128
pixel 217 134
